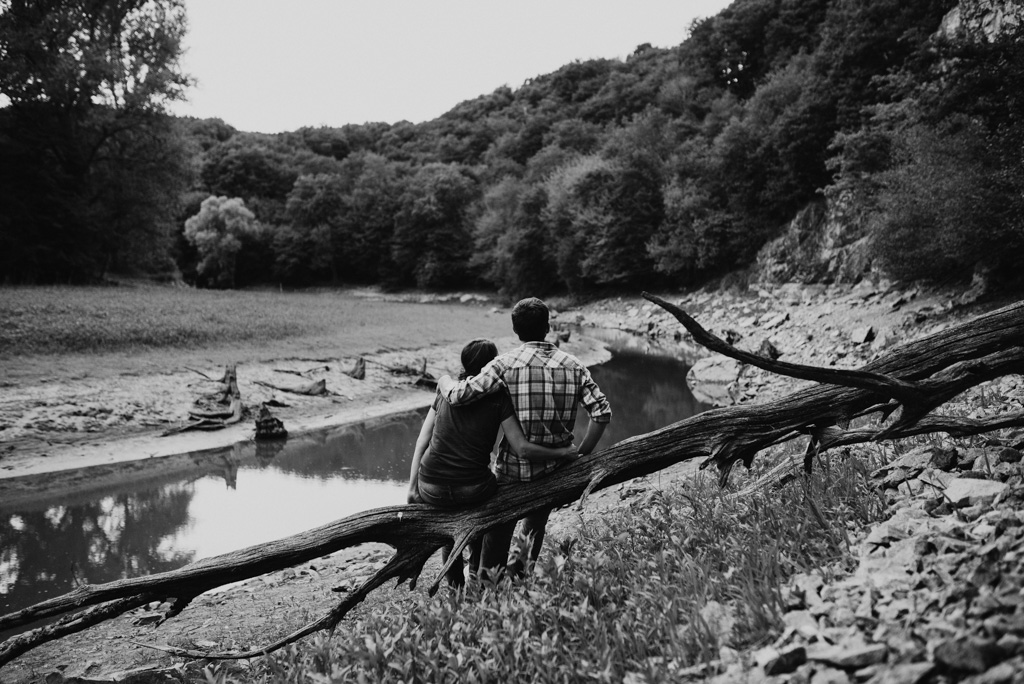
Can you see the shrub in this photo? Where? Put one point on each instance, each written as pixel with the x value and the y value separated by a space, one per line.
pixel 949 205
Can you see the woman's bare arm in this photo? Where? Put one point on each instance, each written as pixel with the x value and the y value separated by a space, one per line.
pixel 422 444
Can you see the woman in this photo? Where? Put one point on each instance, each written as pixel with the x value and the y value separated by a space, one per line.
pixel 451 461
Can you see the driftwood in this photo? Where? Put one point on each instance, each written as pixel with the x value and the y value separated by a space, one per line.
pixel 269 426
pixel 315 388
pixel 217 409
pixel 358 369
pixel 901 387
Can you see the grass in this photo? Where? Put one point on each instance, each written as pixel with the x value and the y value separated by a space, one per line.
pixel 634 598
pixel 71 320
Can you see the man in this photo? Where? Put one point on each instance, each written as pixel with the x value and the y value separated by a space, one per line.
pixel 547 387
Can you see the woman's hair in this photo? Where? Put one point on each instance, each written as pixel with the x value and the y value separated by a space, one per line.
pixel 475 355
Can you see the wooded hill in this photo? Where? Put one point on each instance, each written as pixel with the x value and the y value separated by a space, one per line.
pixel 676 164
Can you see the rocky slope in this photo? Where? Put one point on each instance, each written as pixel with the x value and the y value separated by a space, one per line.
pixel 935 593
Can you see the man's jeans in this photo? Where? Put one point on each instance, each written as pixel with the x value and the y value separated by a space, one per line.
pixel 494 555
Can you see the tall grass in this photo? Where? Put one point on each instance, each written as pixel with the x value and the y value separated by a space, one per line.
pixel 624 600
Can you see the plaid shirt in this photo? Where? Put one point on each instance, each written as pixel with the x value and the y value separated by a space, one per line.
pixel 547 386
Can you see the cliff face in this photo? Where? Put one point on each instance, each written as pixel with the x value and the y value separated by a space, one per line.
pixel 828 241
pixel 982 19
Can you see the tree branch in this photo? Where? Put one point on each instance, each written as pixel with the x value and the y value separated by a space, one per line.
pixel 922 375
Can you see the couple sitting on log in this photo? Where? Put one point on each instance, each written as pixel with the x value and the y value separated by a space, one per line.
pixel 532 393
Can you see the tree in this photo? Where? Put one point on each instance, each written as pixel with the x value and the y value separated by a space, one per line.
pixel 577 195
pixel 431 243
pixel 314 246
pixel 370 219
pixel 218 233
pixel 937 171
pixel 512 246
pixel 90 160
pixel 948 206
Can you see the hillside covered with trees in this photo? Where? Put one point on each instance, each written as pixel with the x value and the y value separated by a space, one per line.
pixel 672 167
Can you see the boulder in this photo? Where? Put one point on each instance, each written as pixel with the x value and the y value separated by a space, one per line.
pixel 964 492
pixel 713 380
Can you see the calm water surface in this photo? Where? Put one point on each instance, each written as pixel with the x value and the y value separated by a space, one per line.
pixel 219 501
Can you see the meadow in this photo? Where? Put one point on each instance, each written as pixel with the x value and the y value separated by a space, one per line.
pixel 75 320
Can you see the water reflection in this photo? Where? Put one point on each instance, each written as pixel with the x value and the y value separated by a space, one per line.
pixel 49 550
pixel 646 392
pixel 147 517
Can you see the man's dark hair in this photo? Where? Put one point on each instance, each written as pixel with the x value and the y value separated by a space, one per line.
pixel 530 319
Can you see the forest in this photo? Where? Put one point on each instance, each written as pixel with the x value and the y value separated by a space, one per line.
pixel 670 168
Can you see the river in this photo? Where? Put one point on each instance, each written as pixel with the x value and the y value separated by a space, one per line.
pixel 223 500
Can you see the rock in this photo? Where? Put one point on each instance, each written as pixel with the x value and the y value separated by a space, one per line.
pixel 768 350
pixel 830 676
pixel 945 459
pixel 849 657
pixel 1003 673
pixel 866 607
pixel 775 662
pixel 769 321
pixel 889 569
pixel 937 479
pixel 747 322
pixel 842 616
pixel 1011 644
pixel 924 457
pixel 713 380
pixel 1009 455
pixel 801 622
pixel 967 654
pixel 985 462
pixel 862 335
pixel 964 492
pixel 883 340
pixel 968 457
pixel 807 586
pixel 1004 471
pixel 904 673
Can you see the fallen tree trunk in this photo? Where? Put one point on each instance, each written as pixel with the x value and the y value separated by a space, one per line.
pixel 904 386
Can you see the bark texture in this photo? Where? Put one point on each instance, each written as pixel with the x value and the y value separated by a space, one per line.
pixel 902 388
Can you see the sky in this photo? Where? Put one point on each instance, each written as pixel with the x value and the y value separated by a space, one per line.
pixel 270 66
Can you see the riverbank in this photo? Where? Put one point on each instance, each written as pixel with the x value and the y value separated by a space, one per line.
pixel 67 412
pixel 816 325
pixel 73 411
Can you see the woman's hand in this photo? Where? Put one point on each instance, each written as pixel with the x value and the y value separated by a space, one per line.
pixel 571 452
pixel 413 495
